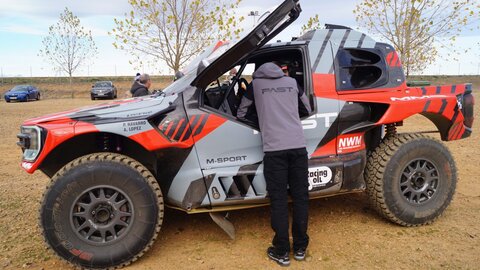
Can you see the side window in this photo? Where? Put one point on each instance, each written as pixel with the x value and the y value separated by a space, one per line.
pixel 360 69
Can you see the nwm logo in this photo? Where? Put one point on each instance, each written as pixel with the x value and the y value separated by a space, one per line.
pixel 350 142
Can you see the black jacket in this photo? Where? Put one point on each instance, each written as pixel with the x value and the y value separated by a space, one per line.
pixel 139 90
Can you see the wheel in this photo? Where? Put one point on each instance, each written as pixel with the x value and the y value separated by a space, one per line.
pixel 92 97
pixel 8 101
pixel 411 179
pixel 101 210
pixel 38 96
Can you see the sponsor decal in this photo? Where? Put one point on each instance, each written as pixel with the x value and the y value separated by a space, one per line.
pixel 319 177
pixel 312 121
pixel 27 165
pixel 277 90
pixel 225 159
pixel 134 126
pixel 411 98
pixel 350 143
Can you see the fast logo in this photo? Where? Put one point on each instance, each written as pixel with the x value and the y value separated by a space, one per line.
pixel 350 143
pixel 319 177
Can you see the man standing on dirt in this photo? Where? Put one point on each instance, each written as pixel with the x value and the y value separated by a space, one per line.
pixel 279 102
pixel 140 87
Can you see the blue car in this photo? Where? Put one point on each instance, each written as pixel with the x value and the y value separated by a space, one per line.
pixel 22 93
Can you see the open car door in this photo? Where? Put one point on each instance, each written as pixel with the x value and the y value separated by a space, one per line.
pixel 268 26
pixel 231 155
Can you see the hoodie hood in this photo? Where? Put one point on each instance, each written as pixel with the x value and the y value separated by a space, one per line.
pixel 268 71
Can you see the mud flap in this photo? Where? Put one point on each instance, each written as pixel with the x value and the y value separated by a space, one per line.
pixel 224 223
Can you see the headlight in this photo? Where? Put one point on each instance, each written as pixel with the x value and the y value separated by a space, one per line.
pixel 30 140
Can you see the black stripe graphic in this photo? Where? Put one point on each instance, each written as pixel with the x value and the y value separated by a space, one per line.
pixel 191 127
pixel 163 127
pixel 342 44
pixel 360 42
pixel 180 130
pixel 455 115
pixel 320 54
pixel 444 105
pixel 187 134
pixel 454 89
pixel 199 129
pixel 457 131
pixel 427 105
pixel 424 91
pixel 172 129
pixel 439 89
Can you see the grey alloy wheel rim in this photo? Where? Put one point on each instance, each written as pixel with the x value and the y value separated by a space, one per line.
pixel 102 215
pixel 419 181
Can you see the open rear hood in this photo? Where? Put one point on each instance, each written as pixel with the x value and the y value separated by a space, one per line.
pixel 266 29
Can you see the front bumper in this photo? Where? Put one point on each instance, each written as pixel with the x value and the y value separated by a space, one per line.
pixel 102 94
pixel 15 98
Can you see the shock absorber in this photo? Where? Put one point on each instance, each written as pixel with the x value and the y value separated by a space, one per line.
pixel 390 130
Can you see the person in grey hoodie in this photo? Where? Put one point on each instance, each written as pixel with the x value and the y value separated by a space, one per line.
pixel 279 104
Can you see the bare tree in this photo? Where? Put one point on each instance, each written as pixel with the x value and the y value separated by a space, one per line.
pixel 174 30
pixel 68 45
pixel 413 26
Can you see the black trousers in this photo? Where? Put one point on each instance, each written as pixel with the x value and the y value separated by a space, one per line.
pixel 281 169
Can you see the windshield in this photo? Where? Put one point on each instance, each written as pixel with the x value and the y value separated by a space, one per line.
pixel 103 84
pixel 20 88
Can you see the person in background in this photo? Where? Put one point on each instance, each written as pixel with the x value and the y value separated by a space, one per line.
pixel 137 77
pixel 140 87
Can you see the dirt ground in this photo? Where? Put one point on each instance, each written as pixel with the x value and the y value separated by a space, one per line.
pixel 345 233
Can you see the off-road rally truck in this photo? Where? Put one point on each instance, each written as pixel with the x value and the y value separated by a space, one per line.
pixel 115 167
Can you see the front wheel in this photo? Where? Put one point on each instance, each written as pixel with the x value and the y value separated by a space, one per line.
pixel 411 179
pixel 38 97
pixel 101 210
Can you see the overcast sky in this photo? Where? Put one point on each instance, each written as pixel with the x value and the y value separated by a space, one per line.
pixel 23 24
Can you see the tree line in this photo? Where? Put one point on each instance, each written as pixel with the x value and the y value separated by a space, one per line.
pixel 175 31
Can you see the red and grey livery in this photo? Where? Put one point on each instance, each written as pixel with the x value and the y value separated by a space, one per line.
pixel 205 160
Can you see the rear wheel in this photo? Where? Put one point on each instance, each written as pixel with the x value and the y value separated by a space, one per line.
pixel 101 210
pixel 411 179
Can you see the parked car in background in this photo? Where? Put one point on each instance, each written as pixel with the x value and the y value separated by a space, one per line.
pixel 22 93
pixel 103 89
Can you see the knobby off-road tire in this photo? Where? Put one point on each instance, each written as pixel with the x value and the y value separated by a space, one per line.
pixel 411 179
pixel 102 210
